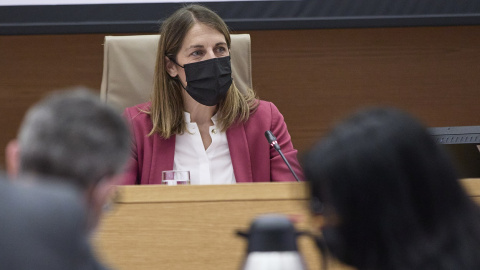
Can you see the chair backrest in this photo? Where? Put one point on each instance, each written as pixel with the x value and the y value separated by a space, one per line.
pixel 129 65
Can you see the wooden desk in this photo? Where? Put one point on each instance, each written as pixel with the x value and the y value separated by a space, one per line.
pixel 193 227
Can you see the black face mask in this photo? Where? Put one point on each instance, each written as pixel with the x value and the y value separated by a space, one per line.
pixel 208 81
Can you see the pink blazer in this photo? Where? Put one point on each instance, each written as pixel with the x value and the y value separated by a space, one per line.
pixel 252 157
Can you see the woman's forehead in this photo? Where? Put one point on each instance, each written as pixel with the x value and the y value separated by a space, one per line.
pixel 201 34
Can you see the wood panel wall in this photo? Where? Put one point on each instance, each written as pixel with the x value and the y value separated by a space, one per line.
pixel 315 77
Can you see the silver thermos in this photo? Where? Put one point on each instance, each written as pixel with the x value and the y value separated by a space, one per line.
pixel 272 245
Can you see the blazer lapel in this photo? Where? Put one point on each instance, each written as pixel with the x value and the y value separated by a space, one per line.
pixel 163 153
pixel 239 153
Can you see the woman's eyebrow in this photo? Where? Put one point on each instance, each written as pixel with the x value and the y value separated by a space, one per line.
pixel 195 47
pixel 201 46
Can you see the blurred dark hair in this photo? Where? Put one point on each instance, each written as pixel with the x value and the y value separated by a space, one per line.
pixel 395 196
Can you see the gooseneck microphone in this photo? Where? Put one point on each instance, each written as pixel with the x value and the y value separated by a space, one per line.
pixel 272 140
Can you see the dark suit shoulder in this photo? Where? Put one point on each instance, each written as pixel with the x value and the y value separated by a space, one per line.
pixel 44 227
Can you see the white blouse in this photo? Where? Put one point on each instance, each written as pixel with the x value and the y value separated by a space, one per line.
pixel 207 167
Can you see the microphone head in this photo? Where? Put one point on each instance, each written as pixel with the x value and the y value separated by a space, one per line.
pixel 270 137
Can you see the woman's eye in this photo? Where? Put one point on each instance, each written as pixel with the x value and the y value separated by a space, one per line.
pixel 221 49
pixel 197 53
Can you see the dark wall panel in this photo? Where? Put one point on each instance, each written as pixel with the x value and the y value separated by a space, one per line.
pixel 315 77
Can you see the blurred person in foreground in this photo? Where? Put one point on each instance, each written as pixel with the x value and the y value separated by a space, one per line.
pixel 197 119
pixel 386 196
pixel 72 137
pixel 42 227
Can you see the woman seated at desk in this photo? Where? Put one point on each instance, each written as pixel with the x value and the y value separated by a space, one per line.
pixel 197 119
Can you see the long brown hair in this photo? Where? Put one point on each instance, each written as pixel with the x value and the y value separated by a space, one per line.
pixel 167 110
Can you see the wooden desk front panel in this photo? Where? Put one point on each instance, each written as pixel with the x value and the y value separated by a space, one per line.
pixel 193 227
pixel 192 234
pixel 182 235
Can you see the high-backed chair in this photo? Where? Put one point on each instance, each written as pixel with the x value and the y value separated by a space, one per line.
pixel 129 64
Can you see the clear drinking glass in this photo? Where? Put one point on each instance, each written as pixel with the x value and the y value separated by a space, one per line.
pixel 175 177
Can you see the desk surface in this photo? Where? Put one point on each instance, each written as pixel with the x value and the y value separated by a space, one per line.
pixel 238 192
pixel 212 193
